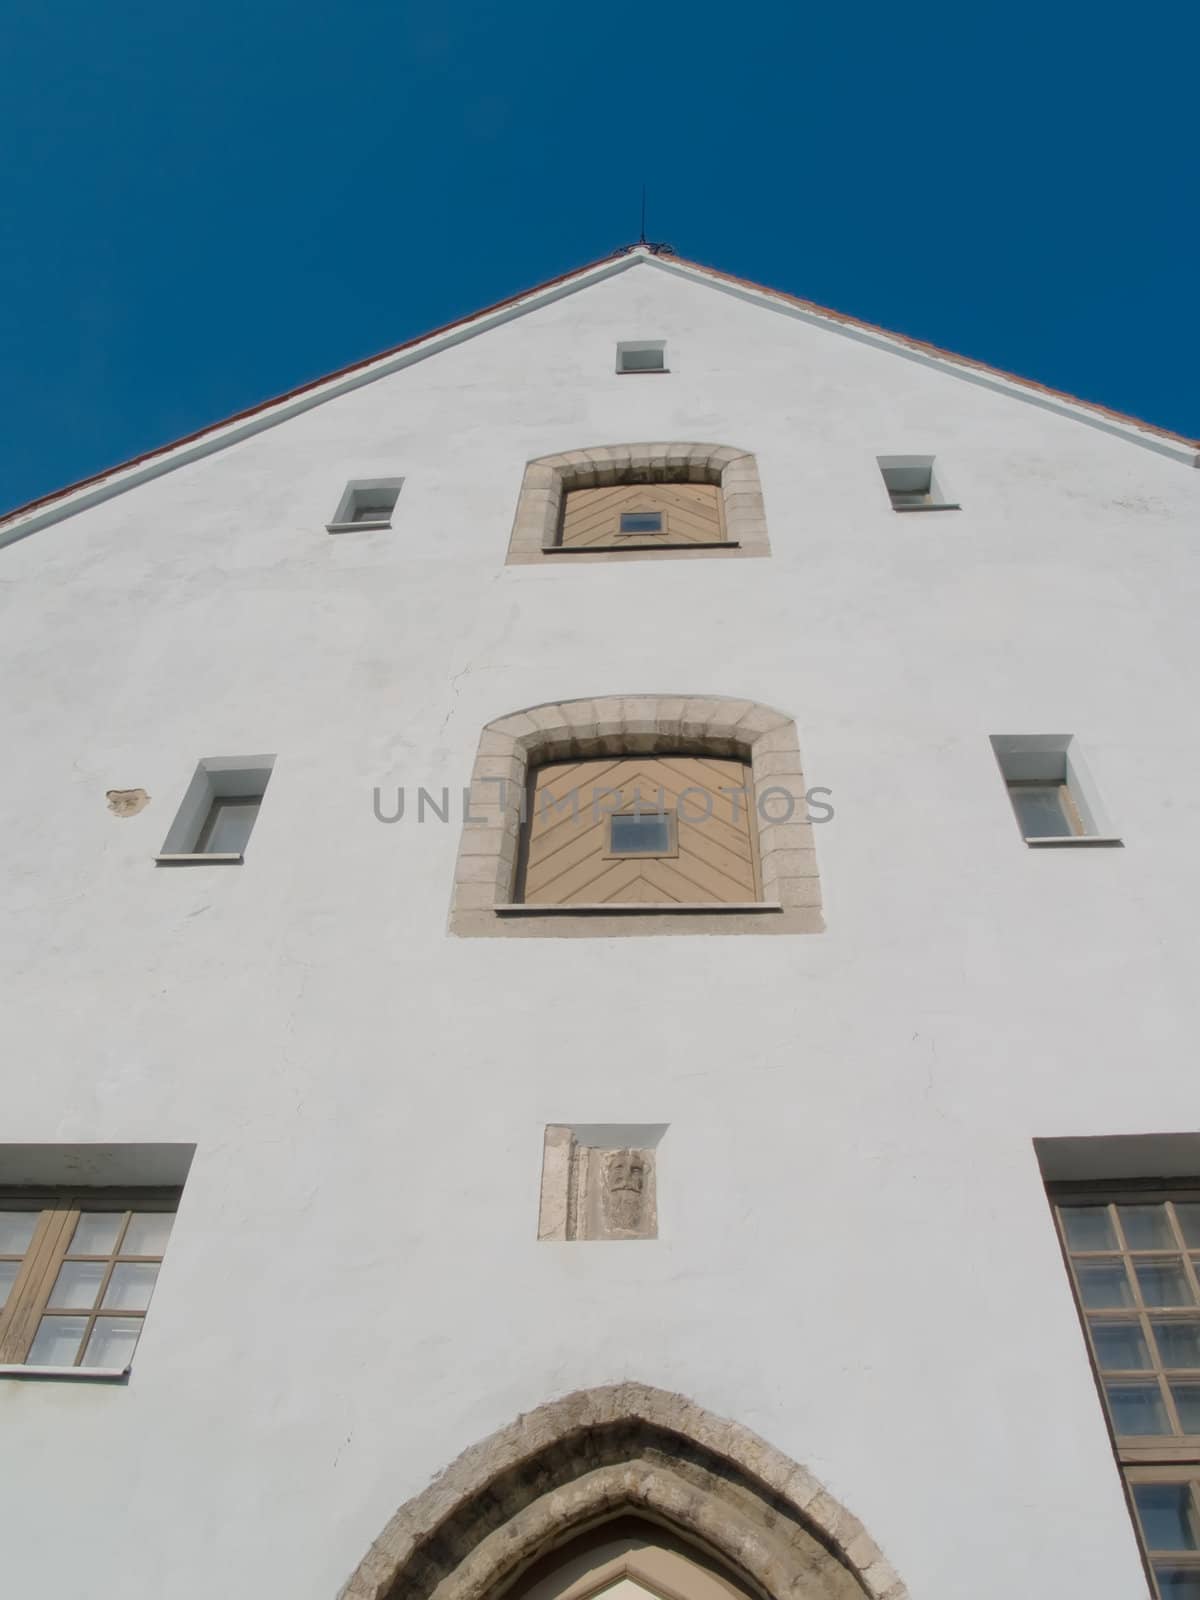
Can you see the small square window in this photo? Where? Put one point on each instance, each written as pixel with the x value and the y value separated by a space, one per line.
pixel 218 812
pixel 642 355
pixel 641 522
pixel 912 484
pixel 647 833
pixel 1051 791
pixel 366 503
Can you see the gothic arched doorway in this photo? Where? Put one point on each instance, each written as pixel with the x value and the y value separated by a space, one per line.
pixel 628 1559
pixel 742 1513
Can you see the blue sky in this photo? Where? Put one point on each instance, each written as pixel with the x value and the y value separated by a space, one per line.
pixel 206 204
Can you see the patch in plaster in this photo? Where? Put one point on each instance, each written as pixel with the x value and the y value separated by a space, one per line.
pixel 126 802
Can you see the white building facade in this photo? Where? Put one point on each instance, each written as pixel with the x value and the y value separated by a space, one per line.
pixel 597 1243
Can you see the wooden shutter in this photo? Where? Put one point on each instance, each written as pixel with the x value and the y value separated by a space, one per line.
pixel 691 514
pixel 712 855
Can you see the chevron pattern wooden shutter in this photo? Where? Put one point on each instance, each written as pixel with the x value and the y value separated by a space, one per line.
pixel 566 859
pixel 691 514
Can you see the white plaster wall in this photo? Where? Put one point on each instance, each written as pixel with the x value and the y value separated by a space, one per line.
pixel 856 1256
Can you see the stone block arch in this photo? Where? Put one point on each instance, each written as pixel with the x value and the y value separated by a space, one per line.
pixel 548 478
pixel 604 1453
pixel 510 746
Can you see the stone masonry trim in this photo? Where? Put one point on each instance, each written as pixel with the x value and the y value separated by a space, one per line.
pixel 548 478
pixel 598 1453
pixel 511 746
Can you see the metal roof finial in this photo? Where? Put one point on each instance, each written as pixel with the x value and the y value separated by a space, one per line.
pixel 656 248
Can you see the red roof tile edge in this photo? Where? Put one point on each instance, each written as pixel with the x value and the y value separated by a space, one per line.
pixel 551 283
pixel 943 355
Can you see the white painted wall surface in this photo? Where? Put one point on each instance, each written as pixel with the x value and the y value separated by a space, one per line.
pixel 856 1259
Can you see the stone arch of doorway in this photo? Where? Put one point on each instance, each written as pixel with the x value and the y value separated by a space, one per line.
pixel 625 1449
pixel 629 1558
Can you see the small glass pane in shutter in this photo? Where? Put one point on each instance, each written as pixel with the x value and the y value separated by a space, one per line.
pixel 1188 1212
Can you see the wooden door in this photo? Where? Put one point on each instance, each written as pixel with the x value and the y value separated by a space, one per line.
pixel 631 514
pixel 640 829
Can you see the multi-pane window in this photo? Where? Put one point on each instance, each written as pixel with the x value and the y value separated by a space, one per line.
pixel 1135 1267
pixel 76 1275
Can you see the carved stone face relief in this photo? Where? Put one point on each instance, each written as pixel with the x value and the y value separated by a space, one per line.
pixel 624 1193
pixel 594 1189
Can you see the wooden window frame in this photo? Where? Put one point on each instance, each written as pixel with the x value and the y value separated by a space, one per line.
pixel 1158 1458
pixel 60 1211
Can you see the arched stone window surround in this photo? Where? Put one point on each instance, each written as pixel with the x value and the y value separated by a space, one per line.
pixel 508 1501
pixel 510 746
pixel 548 478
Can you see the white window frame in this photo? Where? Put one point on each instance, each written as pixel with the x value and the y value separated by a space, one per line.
pixel 939 496
pixel 1054 758
pixel 636 346
pixel 216 778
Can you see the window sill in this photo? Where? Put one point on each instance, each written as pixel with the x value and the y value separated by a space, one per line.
pixel 607 908
pixel 90 1374
pixel 643 372
pixel 358 527
pixel 628 544
pixel 945 505
pixel 1074 841
pixel 204 858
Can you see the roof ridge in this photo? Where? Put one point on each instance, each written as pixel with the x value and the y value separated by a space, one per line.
pixel 628 254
